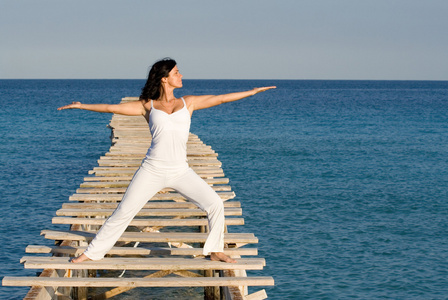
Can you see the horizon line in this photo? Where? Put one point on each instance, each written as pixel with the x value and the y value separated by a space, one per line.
pixel 228 79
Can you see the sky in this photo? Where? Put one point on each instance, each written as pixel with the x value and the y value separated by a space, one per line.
pixel 232 39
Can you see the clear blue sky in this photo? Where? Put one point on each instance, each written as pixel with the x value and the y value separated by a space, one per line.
pixel 232 39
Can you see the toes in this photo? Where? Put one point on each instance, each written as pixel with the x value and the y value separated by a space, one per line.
pixel 222 257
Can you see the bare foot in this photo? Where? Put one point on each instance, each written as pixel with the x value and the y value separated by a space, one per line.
pixel 220 256
pixel 80 259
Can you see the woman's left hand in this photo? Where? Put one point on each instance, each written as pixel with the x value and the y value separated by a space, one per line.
pixel 73 105
pixel 263 89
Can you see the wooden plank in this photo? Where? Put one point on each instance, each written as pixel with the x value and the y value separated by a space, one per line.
pixel 198 169
pixel 141 144
pixel 159 196
pixel 124 263
pixel 140 282
pixel 146 141
pixel 147 222
pixel 126 178
pixel 109 182
pixel 220 188
pixel 138 153
pixel 142 149
pixel 153 212
pixel 122 251
pixel 191 138
pixel 151 237
pixel 130 172
pixel 151 204
pixel 118 163
pixel 195 156
pixel 141 154
pixel 142 132
pixel 260 295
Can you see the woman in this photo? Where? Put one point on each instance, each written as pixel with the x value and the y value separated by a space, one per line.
pixel 165 164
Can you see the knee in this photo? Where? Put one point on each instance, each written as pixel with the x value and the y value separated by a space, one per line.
pixel 122 214
pixel 216 206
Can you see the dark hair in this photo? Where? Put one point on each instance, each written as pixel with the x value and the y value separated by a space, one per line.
pixel 159 70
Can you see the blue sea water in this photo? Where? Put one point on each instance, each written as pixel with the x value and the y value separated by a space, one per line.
pixel 343 182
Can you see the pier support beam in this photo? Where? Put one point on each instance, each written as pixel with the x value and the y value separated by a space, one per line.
pixel 212 292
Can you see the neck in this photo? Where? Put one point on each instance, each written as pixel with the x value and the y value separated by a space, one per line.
pixel 167 94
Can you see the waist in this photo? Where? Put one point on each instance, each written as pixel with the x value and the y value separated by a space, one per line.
pixel 167 150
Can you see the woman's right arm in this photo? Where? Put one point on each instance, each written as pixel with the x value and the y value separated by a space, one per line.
pixel 134 108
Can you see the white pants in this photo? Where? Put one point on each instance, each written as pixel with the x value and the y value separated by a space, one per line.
pixel 150 178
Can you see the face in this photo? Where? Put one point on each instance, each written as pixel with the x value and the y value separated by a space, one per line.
pixel 174 78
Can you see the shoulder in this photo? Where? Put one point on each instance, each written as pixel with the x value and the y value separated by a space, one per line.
pixel 189 103
pixel 189 99
pixel 143 105
pixel 143 102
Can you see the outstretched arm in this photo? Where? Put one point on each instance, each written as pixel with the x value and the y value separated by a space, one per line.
pixel 134 108
pixel 201 102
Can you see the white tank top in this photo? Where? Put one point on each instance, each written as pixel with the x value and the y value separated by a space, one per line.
pixel 169 135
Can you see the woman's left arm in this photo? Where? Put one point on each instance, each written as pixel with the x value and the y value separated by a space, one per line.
pixel 206 101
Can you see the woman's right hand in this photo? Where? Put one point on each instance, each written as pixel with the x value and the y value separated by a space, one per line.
pixel 71 106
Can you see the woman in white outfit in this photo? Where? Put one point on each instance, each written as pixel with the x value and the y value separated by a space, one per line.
pixel 165 164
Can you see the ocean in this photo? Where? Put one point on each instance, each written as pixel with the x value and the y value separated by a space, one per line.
pixel 343 182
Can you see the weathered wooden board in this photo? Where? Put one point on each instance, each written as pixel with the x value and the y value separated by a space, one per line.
pixel 151 204
pixel 152 237
pixel 152 212
pixel 140 154
pixel 123 251
pixel 123 190
pixel 123 263
pixel 109 182
pixel 159 196
pixel 136 163
pixel 131 171
pixel 197 169
pixel 146 222
pixel 140 282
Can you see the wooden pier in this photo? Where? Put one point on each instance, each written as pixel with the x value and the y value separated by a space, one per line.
pixel 162 245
